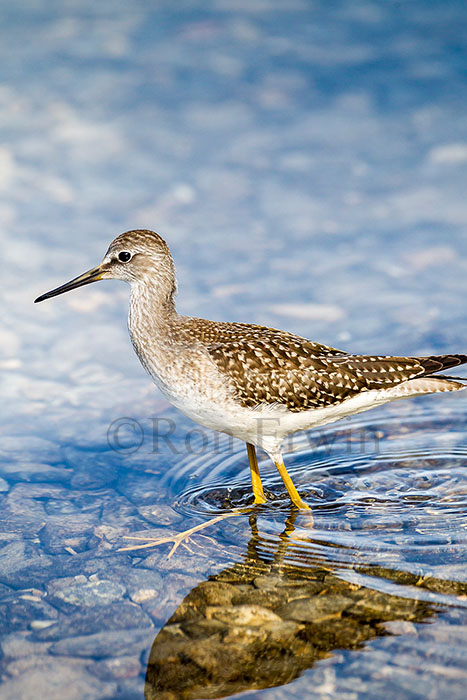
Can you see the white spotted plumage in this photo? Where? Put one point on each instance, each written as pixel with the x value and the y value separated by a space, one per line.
pixel 258 384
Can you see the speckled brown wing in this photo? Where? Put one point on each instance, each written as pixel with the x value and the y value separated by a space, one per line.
pixel 267 366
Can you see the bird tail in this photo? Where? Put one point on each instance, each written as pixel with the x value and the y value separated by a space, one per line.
pixel 424 385
pixel 427 383
pixel 448 376
pixel 438 363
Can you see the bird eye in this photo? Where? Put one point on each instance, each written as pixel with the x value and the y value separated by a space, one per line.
pixel 124 256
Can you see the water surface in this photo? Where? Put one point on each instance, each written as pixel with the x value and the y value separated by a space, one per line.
pixel 306 163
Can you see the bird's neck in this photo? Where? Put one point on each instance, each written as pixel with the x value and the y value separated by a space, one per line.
pixel 152 321
pixel 152 307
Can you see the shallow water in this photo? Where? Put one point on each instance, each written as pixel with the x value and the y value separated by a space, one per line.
pixel 263 593
pixel 307 165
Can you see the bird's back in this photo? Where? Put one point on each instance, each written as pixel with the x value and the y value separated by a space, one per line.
pixel 269 366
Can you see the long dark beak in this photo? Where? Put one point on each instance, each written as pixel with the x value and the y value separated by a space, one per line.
pixel 86 278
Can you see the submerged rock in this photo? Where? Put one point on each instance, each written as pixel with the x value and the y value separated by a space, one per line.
pixel 91 620
pixel 261 623
pixel 78 591
pixel 47 678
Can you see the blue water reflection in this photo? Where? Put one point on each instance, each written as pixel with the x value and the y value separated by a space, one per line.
pixel 306 163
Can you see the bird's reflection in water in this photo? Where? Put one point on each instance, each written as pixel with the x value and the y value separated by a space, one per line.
pixel 265 620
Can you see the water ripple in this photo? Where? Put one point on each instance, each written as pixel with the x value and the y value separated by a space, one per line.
pixel 402 505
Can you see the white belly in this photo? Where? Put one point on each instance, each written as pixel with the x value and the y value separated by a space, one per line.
pixel 192 382
pixel 267 426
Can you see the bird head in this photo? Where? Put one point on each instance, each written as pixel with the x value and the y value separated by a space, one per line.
pixel 139 257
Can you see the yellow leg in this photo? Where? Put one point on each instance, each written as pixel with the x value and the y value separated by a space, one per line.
pixel 289 485
pixel 255 476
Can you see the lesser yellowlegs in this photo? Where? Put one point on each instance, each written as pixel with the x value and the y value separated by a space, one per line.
pixel 255 383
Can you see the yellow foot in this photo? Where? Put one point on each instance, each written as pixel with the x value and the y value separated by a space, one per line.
pixel 260 500
pixel 289 485
pixel 182 538
pixel 301 505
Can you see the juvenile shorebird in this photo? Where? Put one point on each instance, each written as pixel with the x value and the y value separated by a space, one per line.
pixel 255 383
